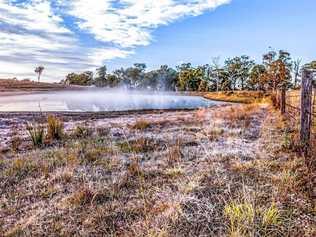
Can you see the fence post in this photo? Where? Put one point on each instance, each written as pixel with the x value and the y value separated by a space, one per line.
pixel 306 109
pixel 282 100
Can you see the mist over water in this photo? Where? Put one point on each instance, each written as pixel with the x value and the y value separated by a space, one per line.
pixel 97 100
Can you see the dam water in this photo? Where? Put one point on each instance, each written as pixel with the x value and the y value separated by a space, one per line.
pixel 96 100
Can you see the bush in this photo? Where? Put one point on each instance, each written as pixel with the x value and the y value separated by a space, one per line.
pixel 37 134
pixel 15 143
pixel 55 128
pixel 82 132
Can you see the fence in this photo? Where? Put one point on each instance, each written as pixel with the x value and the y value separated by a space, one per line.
pixel 300 107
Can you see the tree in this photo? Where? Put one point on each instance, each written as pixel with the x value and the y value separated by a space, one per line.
pixel 39 70
pixel 257 77
pixel 82 79
pixel 238 69
pixel 213 72
pixel 101 77
pixel 296 71
pixel 278 67
pixel 187 78
pixel 279 73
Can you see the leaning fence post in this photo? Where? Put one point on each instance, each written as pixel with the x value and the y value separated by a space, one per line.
pixel 306 109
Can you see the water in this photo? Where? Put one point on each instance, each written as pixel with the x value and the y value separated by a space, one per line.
pixel 99 100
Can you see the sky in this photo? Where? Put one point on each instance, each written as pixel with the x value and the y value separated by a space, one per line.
pixel 77 35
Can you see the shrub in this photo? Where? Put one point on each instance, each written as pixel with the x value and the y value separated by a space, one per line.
pixel 36 133
pixel 55 128
pixel 174 154
pixel 15 143
pixel 82 132
pixel 140 125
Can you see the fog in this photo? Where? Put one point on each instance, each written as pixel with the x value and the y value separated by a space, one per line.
pixel 96 100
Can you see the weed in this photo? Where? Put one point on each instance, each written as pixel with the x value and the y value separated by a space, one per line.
pixel 82 132
pixel 175 172
pixel 15 142
pixel 55 128
pixel 81 197
pixel 37 134
pixel 21 168
pixel 241 217
pixel 174 154
pixel 137 146
pixel 245 219
pixel 271 216
pixel 85 196
pixel 103 132
pixel 215 134
pixel 141 125
pixel 134 168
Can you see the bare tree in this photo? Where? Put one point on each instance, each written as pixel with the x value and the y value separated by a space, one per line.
pixel 296 70
pixel 39 70
pixel 215 65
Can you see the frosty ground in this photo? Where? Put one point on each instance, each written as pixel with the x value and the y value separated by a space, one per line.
pixel 223 171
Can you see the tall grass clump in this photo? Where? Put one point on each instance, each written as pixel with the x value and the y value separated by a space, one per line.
pixel 82 132
pixel 55 128
pixel 37 134
pixel 245 219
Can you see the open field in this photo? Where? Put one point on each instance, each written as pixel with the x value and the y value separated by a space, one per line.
pixel 224 171
pixel 246 97
pixel 13 87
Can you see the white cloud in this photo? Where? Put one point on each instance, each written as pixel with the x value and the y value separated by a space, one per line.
pixel 129 24
pixel 34 32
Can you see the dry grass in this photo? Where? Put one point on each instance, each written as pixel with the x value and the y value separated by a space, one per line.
pixel 55 128
pixel 37 134
pixel 140 125
pixel 246 97
pixel 181 178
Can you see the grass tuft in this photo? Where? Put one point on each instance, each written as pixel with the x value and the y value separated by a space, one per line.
pixel 141 124
pixel 37 134
pixel 55 128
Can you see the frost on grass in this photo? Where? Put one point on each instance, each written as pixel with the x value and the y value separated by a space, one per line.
pixel 213 172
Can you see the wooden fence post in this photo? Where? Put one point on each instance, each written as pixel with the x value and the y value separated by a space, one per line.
pixel 306 109
pixel 282 100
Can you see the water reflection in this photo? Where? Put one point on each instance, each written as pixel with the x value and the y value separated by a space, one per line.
pixel 99 100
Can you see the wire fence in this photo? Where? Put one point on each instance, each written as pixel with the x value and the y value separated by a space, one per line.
pixel 293 106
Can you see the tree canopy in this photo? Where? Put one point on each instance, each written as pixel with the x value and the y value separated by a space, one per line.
pixel 238 73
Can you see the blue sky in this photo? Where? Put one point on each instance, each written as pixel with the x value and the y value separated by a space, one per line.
pixel 78 35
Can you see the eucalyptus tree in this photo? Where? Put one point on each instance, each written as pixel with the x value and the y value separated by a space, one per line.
pixel 256 77
pixel 279 67
pixel 101 77
pixel 238 70
pixel 39 70
pixel 296 71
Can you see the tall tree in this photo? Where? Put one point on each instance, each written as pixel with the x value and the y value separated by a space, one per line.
pixel 81 79
pixel 296 71
pixel 257 77
pixel 238 69
pixel 214 71
pixel 101 76
pixel 278 66
pixel 39 70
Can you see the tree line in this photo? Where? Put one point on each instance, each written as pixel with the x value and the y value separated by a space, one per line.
pixel 238 73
